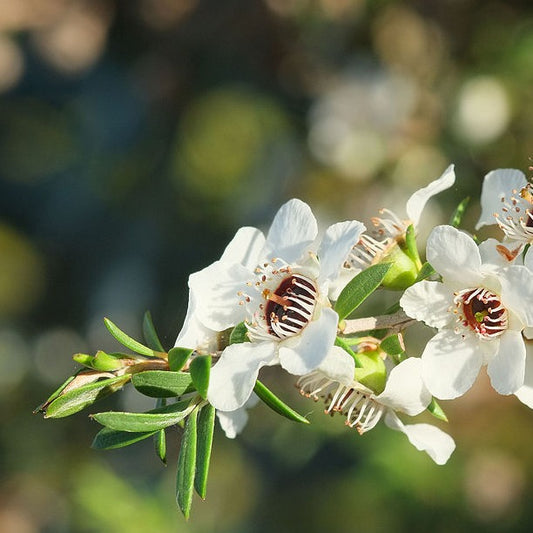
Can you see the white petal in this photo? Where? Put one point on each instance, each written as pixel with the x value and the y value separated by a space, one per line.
pixel 418 200
pixel 425 437
pixel 528 333
pixel 450 364
pixel 335 247
pixel 528 261
pixel 338 366
pixel 405 391
pixel 337 285
pixel 233 422
pixel 194 334
pixel 305 352
pixel 245 248
pixel 429 301
pixel 455 256
pixel 489 253
pixel 525 392
pixel 233 377
pixel 497 184
pixel 517 292
pixel 294 228
pixel 507 367
pixel 216 289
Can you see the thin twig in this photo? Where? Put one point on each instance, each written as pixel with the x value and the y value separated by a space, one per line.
pixel 395 322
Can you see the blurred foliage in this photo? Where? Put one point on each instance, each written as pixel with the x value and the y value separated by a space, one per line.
pixel 138 135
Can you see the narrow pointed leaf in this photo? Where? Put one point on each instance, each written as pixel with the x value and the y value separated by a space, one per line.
pixel 160 438
pixel 53 396
pixel 360 288
pixel 109 439
pixel 411 247
pixel 187 466
pixel 77 399
pixel 142 422
pixel 239 334
pixel 270 399
pixel 206 427
pixel 150 334
pixel 393 345
pixel 457 216
pixel 426 271
pixel 200 369
pixel 436 410
pixel 128 342
pixel 161 383
pixel 177 357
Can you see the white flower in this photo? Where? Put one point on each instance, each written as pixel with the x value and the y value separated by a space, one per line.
pixel 507 200
pixel 278 287
pixel 390 229
pixel 333 382
pixel 233 422
pixel 479 310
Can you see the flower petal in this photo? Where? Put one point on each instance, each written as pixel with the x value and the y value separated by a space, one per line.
pixel 525 392
pixel 405 391
pixel 194 334
pixel 450 364
pixel 215 290
pixel 429 301
pixel 293 229
pixel 506 369
pixel 233 377
pixel 418 200
pixel 517 292
pixel 425 437
pixel 528 261
pixel 245 248
pixel 338 366
pixel 233 422
pixel 335 247
pixel 496 185
pixel 489 253
pixel 455 256
pixel 305 352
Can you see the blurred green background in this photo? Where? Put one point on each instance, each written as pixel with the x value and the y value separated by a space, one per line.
pixel 137 135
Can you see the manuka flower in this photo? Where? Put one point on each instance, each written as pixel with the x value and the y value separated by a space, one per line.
pixel 507 200
pixel 359 395
pixel 479 310
pixel 278 287
pixel 385 241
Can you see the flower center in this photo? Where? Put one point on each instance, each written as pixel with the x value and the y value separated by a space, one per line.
pixel 290 307
pixel 482 311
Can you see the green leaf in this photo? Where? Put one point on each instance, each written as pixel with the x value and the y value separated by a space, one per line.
pixel 54 395
pixel 101 361
pixel 393 345
pixel 206 428
pixel 426 271
pixel 177 357
pixel 160 438
pixel 411 247
pixel 108 439
pixel 74 400
pixel 128 342
pixel 436 410
pixel 276 404
pixel 347 348
pixel 239 334
pixel 360 288
pixel 457 216
pixel 150 334
pixel 187 466
pixel 141 422
pixel 161 383
pixel 200 369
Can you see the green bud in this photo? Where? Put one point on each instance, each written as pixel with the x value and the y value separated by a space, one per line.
pixel 373 373
pixel 403 271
